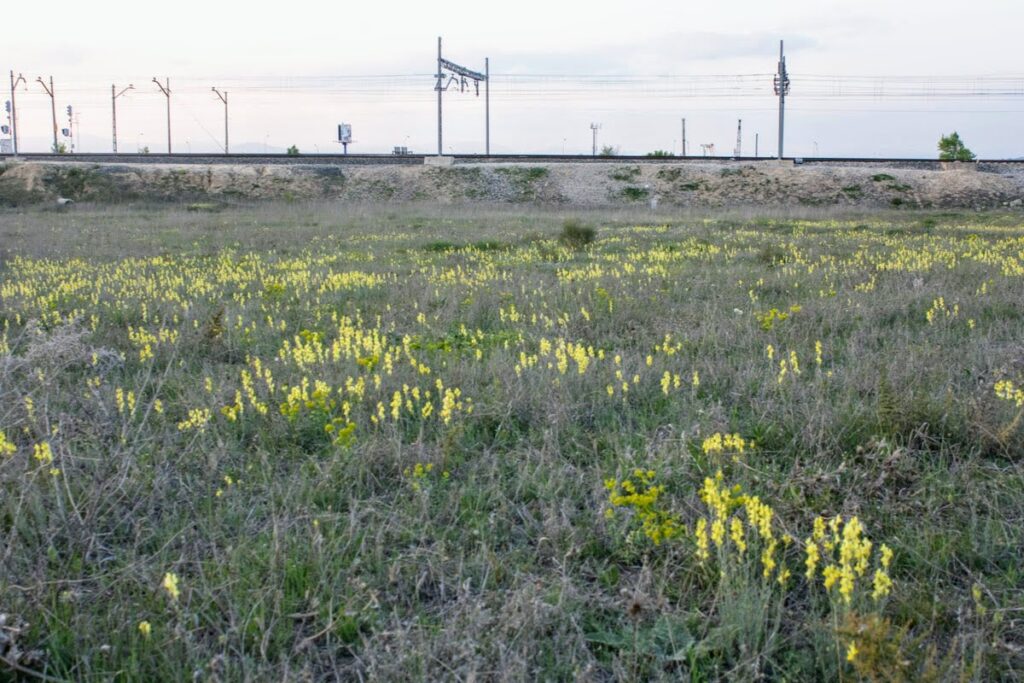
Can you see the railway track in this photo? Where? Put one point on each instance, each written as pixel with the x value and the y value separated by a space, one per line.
pixel 418 159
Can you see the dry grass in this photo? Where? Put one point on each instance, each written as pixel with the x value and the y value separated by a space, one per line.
pixel 323 560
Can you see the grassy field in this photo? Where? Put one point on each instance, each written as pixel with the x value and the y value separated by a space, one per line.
pixel 311 442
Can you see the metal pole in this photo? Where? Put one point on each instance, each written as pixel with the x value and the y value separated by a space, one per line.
pixel 14 110
pixel 71 129
pixel 167 93
pixel 223 98
pixel 113 112
pixel 53 112
pixel 53 108
pixel 113 108
pixel 782 98
pixel 487 105
pixel 684 137
pixel 439 77
pixel 757 140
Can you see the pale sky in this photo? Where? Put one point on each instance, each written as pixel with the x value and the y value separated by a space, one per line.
pixel 289 70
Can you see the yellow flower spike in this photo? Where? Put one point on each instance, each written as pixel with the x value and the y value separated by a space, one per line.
pixel 813 557
pixel 718 532
pixel 170 584
pixel 852 652
pixel 881 586
pixel 6 447
pixel 886 556
pixel 43 453
pixel 700 535
pixel 737 535
pixel 145 628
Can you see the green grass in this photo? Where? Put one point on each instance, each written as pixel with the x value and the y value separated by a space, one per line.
pixel 331 558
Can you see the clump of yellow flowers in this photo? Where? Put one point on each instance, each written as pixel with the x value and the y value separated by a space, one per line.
pixel 419 474
pixel 1008 391
pixel 641 495
pixel 738 538
pixel 734 524
pixel 719 444
pixel 843 553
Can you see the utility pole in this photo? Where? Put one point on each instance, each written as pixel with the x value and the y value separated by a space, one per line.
pixel 738 152
pixel 757 139
pixel 684 137
pixel 782 89
pixel 14 109
pixel 594 127
pixel 224 98
pixel 113 107
pixel 53 108
pixel 461 76
pixel 487 106
pixel 167 93
pixel 440 76
pixel 71 128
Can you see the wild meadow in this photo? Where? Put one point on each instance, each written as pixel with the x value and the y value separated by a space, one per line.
pixel 319 442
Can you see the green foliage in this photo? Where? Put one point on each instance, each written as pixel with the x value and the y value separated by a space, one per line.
pixel 952 148
pixel 660 153
pixel 293 151
pixel 609 151
pixel 634 193
pixel 625 173
pixel 59 148
pixel 576 234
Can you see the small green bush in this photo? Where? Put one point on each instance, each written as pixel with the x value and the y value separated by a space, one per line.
pixel 635 193
pixel 576 234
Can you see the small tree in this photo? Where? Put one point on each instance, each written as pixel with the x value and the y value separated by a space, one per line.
pixel 293 151
pixel 952 148
pixel 609 151
pixel 660 153
pixel 59 148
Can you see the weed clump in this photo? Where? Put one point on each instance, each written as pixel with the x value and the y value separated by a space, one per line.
pixel 577 235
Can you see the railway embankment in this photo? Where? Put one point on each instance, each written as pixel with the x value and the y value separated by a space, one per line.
pixel 612 183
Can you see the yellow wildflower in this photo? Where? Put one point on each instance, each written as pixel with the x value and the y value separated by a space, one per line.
pixel 170 584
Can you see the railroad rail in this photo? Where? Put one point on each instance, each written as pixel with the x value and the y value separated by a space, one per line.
pixel 418 159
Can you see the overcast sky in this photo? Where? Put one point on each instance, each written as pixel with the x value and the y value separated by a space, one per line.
pixel 288 68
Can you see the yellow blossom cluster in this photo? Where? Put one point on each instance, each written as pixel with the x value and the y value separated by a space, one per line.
pixel 1008 391
pixel 641 495
pixel 840 552
pixel 6 447
pixel 735 522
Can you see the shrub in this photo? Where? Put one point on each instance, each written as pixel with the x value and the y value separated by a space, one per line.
pixel 576 234
pixel 952 148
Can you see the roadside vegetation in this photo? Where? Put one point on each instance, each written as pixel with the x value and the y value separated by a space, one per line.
pixel 315 442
